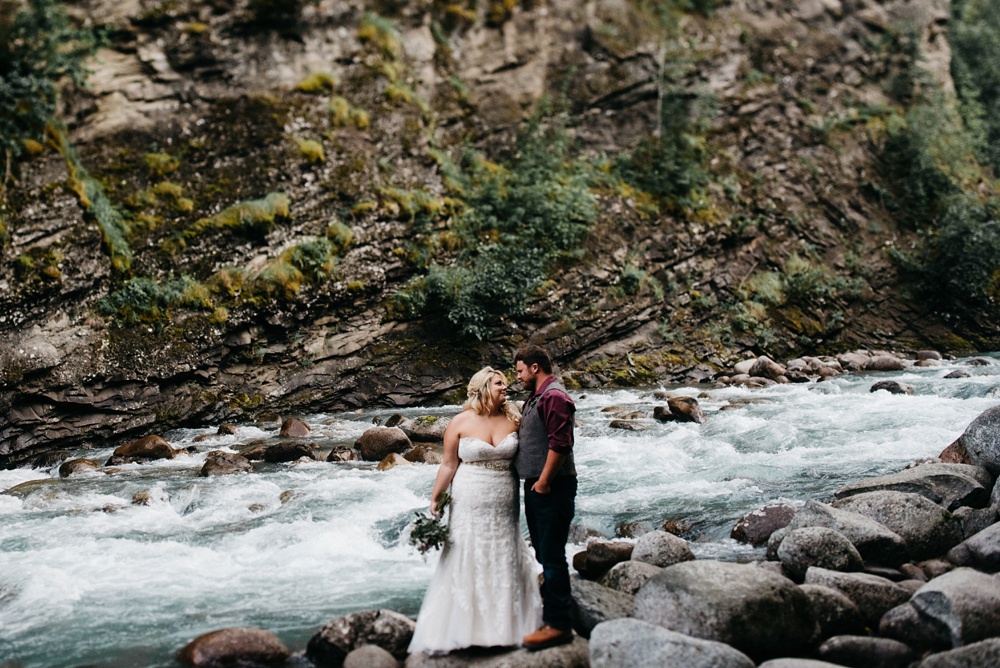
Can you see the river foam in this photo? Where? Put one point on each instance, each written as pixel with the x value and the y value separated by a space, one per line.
pixel 88 578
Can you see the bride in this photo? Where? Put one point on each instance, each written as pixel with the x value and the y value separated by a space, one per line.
pixel 484 592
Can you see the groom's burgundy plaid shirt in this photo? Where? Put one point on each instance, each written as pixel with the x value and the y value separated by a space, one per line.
pixel 556 410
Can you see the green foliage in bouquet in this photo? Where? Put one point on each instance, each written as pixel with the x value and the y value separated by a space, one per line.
pixel 431 533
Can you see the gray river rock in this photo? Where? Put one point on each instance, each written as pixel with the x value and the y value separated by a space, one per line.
pixel 875 542
pixel 873 595
pixel 662 549
pixel 757 612
pixel 638 644
pixel 858 650
pixel 386 628
pixel 951 485
pixel 981 440
pixel 926 527
pixel 977 655
pixel 234 647
pixel 594 603
pixel 817 546
pixel 835 613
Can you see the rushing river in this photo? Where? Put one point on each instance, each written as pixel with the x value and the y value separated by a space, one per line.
pixel 86 578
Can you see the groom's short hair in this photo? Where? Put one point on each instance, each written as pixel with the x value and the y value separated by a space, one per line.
pixel 534 355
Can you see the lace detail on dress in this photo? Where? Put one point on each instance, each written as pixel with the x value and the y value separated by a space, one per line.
pixel 485 590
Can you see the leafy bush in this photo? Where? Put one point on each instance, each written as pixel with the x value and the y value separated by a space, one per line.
pixel 340 235
pixel 516 223
pixel 317 82
pixel 315 259
pixel 974 33
pixel 143 300
pixel 252 217
pixel 38 48
pixel 161 163
pixel 311 150
pixel 671 166
pixel 114 228
pixel 957 266
pixel 928 155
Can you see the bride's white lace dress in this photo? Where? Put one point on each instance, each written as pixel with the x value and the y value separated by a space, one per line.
pixel 484 592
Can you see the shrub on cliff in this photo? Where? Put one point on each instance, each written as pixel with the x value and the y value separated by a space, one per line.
pixel 38 48
pixel 516 223
pixel 671 164
pixel 142 299
pixel 974 33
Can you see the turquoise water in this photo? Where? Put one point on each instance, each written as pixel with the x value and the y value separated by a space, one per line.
pixel 86 578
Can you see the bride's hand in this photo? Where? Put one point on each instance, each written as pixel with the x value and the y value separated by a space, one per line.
pixel 434 512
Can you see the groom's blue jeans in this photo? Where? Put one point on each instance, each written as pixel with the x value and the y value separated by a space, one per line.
pixel 549 516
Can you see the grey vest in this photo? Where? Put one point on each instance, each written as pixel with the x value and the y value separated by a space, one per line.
pixel 533 439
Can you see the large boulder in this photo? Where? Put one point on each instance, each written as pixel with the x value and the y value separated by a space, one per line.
pixel 290 452
pixel 817 546
pixel 885 363
pixel 855 361
pixel 601 555
pixel 892 387
pixel 873 595
pixel 234 647
pixel 424 453
pixel 976 655
pixel 858 650
pixel 974 520
pixel 145 449
pixel 391 461
pixel 343 455
pixel 680 409
pixel 218 462
pixel 981 551
pixel 757 612
pixel 765 367
pixel 638 644
pixel 951 485
pixel 757 526
pixel 427 429
pixel 875 542
pixel 964 602
pixel 835 613
pixel 389 630
pixel 294 428
pixel 594 603
pixel 628 576
pixel 905 624
pixel 927 528
pixel 572 655
pixel 75 466
pixel 981 440
pixel 661 549
pixel 379 442
pixel 370 656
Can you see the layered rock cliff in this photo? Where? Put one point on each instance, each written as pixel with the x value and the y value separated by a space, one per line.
pixel 279 178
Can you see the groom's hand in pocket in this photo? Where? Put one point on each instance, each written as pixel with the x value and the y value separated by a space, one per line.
pixel 540 487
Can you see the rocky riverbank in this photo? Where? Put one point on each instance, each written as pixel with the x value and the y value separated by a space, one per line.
pixel 264 193
pixel 896 570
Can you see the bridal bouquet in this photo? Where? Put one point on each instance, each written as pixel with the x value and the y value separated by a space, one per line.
pixel 429 532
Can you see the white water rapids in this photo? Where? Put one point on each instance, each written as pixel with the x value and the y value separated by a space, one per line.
pixel 86 578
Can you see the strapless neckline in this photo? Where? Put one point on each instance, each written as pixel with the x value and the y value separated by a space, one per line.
pixel 487 443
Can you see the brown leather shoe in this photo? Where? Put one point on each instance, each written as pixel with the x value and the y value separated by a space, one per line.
pixel 547 636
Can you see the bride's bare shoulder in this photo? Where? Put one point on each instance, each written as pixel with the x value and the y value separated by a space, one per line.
pixel 462 419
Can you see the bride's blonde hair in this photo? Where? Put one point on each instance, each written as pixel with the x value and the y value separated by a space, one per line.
pixel 481 400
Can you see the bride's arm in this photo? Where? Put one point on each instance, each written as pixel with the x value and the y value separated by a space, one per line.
pixel 446 471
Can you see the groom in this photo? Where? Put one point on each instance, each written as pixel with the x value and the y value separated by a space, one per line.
pixel 545 462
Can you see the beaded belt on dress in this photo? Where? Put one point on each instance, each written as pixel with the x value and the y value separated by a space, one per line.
pixel 495 464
